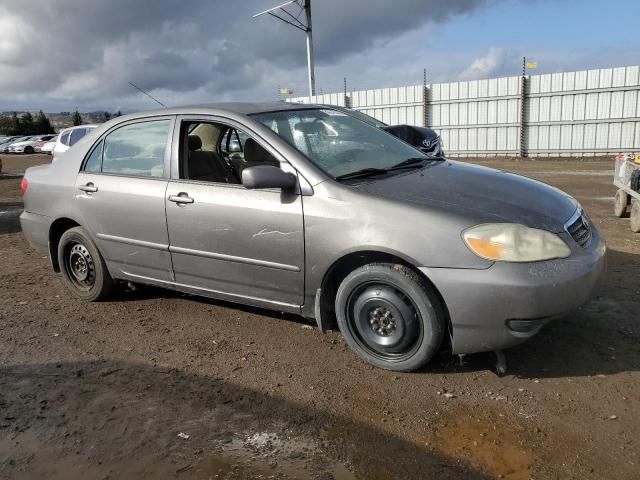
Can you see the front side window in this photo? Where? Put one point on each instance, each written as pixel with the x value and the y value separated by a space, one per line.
pixel 215 152
pixel 336 142
pixel 137 149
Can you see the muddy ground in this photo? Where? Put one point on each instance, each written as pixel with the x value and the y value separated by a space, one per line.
pixel 106 390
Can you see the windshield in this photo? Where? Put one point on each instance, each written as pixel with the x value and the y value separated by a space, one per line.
pixel 366 118
pixel 338 143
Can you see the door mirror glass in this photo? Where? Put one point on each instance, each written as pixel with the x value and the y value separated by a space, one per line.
pixel 267 176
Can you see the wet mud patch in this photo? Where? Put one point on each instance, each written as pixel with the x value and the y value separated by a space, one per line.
pixel 105 419
pixel 490 446
pixel 10 217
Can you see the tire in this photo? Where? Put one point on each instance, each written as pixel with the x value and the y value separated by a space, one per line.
pixel 390 316
pixel 83 268
pixel 635 217
pixel 620 204
pixel 28 150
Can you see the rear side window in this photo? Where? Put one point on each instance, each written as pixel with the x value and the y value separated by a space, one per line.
pixel 137 149
pixel 76 134
pixel 94 162
pixel 64 138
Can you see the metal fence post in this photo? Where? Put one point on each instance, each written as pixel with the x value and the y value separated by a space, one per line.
pixel 347 99
pixel 425 99
pixel 524 112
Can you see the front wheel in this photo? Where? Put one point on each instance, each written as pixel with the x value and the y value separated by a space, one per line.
pixel 390 316
pixel 83 268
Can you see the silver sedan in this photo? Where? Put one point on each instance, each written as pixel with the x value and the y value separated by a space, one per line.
pixel 305 209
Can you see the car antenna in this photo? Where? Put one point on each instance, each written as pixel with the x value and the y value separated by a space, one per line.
pixel 147 94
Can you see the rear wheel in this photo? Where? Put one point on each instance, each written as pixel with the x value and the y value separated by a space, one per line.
pixel 28 150
pixel 390 316
pixel 83 268
pixel 621 202
pixel 635 217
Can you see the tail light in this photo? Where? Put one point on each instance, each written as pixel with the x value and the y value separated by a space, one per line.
pixel 24 185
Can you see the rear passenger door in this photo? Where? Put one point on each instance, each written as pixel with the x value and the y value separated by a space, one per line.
pixel 121 192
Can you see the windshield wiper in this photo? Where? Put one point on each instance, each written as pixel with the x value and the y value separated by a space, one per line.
pixel 416 162
pixel 365 172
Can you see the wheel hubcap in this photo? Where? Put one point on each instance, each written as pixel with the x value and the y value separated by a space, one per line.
pixel 384 320
pixel 80 266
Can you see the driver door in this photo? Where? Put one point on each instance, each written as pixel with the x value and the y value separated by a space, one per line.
pixel 234 243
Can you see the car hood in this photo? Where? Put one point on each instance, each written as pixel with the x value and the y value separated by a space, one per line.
pixel 479 195
pixel 21 144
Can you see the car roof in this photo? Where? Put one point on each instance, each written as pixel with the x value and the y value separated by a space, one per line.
pixel 243 108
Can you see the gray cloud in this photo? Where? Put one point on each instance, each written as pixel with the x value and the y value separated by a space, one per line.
pixel 73 52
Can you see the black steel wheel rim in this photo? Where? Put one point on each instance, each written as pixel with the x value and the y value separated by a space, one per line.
pixel 80 266
pixel 384 321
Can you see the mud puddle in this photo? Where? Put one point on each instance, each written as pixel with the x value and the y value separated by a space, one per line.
pixel 267 455
pixel 497 451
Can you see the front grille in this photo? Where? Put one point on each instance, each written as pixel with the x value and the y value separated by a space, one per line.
pixel 580 230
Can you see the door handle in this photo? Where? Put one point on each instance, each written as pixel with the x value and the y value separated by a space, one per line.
pixel 181 198
pixel 89 188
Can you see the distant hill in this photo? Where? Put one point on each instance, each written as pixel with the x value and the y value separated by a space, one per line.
pixel 63 120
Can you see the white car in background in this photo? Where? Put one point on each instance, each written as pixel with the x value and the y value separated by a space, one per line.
pixel 26 146
pixel 69 136
pixel 48 147
pixel 4 148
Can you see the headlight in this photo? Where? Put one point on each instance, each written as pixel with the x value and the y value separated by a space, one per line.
pixel 510 242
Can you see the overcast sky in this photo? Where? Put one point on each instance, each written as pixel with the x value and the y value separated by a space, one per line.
pixel 57 55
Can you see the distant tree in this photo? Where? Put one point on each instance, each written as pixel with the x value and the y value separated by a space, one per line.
pixel 106 116
pixel 26 124
pixel 77 118
pixel 5 125
pixel 41 124
pixel 15 127
pixel 118 114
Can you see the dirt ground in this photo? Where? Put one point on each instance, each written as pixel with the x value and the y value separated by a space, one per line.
pixel 154 384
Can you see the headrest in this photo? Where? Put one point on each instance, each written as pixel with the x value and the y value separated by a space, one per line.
pixel 255 153
pixel 195 142
pixel 311 128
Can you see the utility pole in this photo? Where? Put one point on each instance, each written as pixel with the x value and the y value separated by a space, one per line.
pixel 294 20
pixel 310 65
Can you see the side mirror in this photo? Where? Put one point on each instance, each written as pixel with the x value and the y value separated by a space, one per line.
pixel 267 176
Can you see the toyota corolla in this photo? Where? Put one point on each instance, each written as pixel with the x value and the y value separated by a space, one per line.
pixel 305 209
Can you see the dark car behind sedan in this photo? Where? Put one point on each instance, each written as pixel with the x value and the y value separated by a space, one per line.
pixel 424 139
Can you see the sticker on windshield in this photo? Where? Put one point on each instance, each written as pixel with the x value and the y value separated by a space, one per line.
pixel 334 113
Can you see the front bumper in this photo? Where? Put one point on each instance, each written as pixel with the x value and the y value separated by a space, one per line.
pixel 507 303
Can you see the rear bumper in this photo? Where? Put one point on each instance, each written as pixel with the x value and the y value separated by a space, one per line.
pixel 508 303
pixel 36 230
